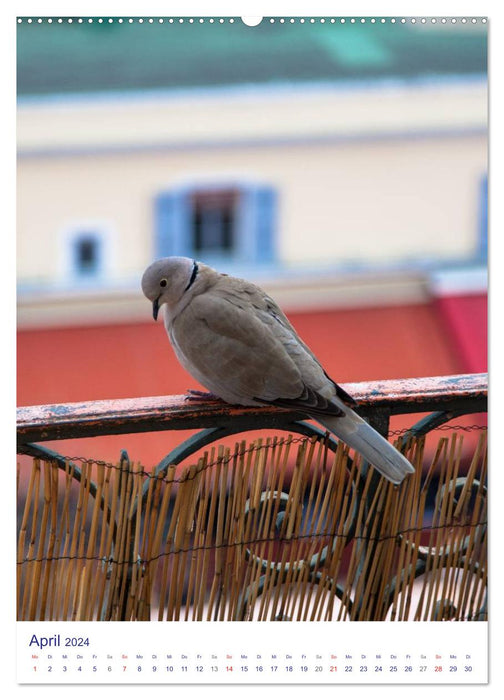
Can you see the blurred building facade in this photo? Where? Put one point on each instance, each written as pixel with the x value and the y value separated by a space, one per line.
pixel 344 168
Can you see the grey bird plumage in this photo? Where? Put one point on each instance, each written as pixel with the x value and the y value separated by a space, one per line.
pixel 235 340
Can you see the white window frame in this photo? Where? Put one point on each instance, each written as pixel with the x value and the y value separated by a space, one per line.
pixel 103 232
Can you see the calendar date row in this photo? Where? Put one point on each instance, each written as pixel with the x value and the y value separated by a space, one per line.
pixel 255 669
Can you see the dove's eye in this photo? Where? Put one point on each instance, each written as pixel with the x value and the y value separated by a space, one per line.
pixel 163 283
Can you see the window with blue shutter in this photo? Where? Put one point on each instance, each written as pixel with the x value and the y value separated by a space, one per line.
pixel 217 223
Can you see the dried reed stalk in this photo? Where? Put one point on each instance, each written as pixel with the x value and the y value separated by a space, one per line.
pixel 279 529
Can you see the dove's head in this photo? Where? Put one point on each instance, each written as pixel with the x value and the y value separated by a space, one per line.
pixel 167 280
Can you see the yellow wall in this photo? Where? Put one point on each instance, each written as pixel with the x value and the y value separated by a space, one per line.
pixel 248 113
pixel 370 175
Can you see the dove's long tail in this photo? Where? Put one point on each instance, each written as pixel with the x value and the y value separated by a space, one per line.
pixel 356 433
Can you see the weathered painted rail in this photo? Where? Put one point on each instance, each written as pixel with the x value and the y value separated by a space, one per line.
pixel 465 393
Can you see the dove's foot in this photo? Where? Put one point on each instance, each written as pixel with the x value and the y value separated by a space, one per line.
pixel 196 395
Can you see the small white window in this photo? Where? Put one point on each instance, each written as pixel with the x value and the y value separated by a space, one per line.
pixel 87 255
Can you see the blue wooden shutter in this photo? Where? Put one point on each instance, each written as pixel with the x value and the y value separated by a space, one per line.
pixel 258 224
pixel 172 224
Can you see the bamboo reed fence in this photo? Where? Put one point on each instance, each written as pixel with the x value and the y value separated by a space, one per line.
pixel 292 527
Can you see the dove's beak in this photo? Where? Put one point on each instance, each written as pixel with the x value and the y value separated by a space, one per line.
pixel 155 308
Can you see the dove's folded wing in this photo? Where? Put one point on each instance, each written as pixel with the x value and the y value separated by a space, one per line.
pixel 235 348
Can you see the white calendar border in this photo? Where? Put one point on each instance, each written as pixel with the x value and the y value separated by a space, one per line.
pixel 276 7
pixel 313 653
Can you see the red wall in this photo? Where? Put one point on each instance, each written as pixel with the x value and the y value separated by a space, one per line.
pixel 465 317
pixel 119 361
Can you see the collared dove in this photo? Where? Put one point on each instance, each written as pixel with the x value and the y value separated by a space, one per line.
pixel 235 340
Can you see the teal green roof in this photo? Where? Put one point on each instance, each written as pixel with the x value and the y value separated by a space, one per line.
pixel 71 58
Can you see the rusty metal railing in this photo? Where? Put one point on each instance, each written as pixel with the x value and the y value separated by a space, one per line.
pixel 445 397
pixel 438 399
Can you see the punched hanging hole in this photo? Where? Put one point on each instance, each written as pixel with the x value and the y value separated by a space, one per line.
pixel 251 21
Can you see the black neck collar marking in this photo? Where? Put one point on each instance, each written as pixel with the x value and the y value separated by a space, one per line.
pixel 193 275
